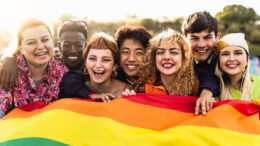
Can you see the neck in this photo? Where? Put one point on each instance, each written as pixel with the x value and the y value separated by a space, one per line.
pixel 167 81
pixel 131 79
pixel 234 80
pixel 38 72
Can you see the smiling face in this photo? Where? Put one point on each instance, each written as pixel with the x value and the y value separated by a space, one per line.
pixel 168 58
pixel 37 46
pixel 202 44
pixel 233 60
pixel 72 44
pixel 131 57
pixel 100 64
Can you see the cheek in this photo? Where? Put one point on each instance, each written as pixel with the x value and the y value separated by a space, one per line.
pixel 122 59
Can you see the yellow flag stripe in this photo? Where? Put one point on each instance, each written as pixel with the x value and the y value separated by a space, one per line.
pixel 77 129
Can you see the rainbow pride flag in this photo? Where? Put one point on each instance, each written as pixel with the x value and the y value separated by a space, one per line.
pixel 140 120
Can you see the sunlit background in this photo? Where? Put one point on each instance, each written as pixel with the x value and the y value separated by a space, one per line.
pixel 113 13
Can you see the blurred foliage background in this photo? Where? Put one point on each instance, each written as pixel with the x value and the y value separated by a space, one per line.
pixel 233 18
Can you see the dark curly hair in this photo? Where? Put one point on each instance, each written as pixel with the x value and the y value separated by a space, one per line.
pixel 136 32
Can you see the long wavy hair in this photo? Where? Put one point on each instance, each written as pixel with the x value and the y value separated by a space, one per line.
pixel 185 81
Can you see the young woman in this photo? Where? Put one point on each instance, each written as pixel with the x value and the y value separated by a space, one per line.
pixel 168 68
pixel 39 75
pixel 100 58
pixel 132 41
pixel 233 69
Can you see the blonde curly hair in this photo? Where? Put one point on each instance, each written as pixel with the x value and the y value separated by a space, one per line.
pixel 185 81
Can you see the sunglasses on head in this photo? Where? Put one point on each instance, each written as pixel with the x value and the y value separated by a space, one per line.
pixel 74 22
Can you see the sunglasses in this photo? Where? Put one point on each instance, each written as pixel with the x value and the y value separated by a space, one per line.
pixel 74 22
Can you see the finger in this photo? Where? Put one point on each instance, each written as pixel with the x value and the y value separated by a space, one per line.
pixel 207 105
pixel 110 95
pixel 197 107
pixel 133 92
pixel 203 107
pixel 103 99
pixel 210 104
pixel 124 93
pixel 128 91
pixel 107 98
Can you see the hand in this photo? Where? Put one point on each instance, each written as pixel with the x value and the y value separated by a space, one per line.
pixel 128 92
pixel 105 97
pixel 8 73
pixel 204 103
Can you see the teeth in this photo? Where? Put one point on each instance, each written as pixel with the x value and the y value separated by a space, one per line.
pixel 131 66
pixel 41 54
pixel 167 65
pixel 232 65
pixel 202 51
pixel 99 72
pixel 73 57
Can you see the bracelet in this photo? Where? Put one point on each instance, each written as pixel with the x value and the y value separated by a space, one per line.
pixel 90 94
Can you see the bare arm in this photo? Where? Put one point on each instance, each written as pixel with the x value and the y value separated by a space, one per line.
pixel 8 73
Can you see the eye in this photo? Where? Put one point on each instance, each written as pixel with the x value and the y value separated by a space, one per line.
pixel 66 46
pixel 79 46
pixel 106 60
pixel 160 52
pixel 31 42
pixel 139 53
pixel 125 52
pixel 174 52
pixel 45 40
pixel 92 58
pixel 194 39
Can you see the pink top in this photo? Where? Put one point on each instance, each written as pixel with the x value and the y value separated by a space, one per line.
pixel 26 92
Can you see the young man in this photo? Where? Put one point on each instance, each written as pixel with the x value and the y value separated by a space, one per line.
pixel 72 42
pixel 201 31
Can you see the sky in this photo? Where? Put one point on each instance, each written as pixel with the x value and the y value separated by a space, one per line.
pixel 13 12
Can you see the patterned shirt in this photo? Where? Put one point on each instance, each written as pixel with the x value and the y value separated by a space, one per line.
pixel 26 92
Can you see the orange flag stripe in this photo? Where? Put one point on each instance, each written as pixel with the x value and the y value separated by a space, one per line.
pixel 138 115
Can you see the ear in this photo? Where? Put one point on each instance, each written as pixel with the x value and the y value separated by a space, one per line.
pixel 59 46
pixel 217 37
pixel 20 49
pixel 115 66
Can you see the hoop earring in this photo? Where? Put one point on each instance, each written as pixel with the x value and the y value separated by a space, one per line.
pixel 85 71
pixel 114 74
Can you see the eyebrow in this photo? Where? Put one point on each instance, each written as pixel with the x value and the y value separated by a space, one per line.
pixel 142 49
pixel 125 48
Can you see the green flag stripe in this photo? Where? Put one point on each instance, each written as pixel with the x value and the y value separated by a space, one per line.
pixel 32 141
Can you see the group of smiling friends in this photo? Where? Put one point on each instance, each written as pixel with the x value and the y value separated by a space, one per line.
pixel 195 63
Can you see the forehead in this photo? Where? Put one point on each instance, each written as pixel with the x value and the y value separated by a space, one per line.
pixel 72 36
pixel 35 32
pixel 167 44
pixel 131 42
pixel 201 34
pixel 232 48
pixel 100 52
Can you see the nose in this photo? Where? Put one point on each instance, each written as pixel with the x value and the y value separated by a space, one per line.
pixel 231 57
pixel 99 63
pixel 40 45
pixel 132 57
pixel 73 49
pixel 167 55
pixel 201 43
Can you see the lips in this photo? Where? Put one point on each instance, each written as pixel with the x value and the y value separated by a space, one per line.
pixel 73 58
pixel 167 65
pixel 41 53
pixel 232 66
pixel 202 52
pixel 131 66
pixel 98 73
